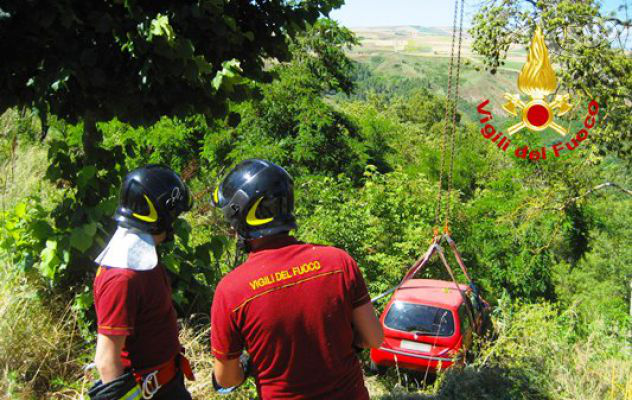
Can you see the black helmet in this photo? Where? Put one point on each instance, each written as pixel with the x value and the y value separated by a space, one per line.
pixel 152 197
pixel 257 199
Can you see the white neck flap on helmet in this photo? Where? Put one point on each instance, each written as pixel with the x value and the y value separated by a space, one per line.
pixel 129 249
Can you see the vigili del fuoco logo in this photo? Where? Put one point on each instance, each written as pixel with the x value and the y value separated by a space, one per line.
pixel 537 80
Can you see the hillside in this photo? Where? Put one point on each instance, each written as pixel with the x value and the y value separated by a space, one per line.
pixel 423 52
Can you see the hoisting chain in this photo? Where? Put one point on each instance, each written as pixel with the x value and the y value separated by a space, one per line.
pixel 454 103
pixel 445 127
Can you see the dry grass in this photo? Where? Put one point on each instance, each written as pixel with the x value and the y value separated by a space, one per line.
pixel 22 164
pixel 38 343
pixel 536 357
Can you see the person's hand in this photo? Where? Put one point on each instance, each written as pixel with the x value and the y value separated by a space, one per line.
pixel 244 361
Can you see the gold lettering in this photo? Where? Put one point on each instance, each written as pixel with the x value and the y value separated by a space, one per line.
pixel 284 274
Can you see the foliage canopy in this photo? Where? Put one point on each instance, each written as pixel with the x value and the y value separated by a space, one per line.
pixel 138 60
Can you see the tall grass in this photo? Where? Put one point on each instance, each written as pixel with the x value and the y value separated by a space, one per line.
pixel 558 358
pixel 23 160
pixel 538 354
pixel 40 350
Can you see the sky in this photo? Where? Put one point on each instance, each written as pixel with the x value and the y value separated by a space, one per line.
pixel 359 13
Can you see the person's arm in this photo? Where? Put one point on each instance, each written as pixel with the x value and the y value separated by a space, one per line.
pixel 229 373
pixel 226 342
pixel 108 357
pixel 367 327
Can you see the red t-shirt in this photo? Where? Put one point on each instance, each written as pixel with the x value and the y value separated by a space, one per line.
pixel 290 306
pixel 137 304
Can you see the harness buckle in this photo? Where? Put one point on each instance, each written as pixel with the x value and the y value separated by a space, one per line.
pixel 151 386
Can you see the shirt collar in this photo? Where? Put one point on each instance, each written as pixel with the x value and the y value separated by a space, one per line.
pixel 276 242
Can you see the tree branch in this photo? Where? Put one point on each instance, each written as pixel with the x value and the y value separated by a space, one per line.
pixel 626 24
pixel 594 189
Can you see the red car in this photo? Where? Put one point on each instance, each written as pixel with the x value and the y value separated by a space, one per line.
pixel 426 326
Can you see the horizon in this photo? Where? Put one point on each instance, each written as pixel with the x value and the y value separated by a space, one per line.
pixel 380 13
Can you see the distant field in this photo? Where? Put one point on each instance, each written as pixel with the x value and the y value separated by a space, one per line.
pixel 420 52
pixel 431 41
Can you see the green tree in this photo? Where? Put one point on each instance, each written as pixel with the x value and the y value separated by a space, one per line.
pixel 140 61
pixel 294 124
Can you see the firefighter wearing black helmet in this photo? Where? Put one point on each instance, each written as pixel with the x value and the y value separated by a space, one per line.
pixel 298 309
pixel 138 354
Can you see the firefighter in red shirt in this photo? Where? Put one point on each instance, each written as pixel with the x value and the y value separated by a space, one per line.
pixel 138 354
pixel 298 309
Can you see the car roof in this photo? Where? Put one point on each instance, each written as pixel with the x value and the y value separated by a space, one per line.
pixel 430 291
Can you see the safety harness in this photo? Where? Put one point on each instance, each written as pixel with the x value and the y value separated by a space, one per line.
pixel 144 383
pixel 152 379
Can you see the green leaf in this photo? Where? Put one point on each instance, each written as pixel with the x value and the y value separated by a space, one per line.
pixel 81 237
pixel 83 301
pixel 203 254
pixel 182 229
pixel 217 246
pixel 90 229
pixel 229 75
pixel 169 261
pixel 85 175
pixel 160 27
pixel 107 207
pixel 42 230
pixel 20 210
pixel 49 260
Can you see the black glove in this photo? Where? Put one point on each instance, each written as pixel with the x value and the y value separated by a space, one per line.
pixel 244 361
pixel 122 387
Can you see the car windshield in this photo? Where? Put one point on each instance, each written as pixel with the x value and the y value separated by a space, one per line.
pixel 419 318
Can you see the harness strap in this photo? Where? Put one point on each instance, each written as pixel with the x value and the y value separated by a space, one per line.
pixel 459 260
pixel 154 378
pixel 465 299
pixel 416 267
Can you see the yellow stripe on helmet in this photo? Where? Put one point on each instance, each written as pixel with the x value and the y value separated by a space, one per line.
pixel 216 196
pixel 153 215
pixel 251 218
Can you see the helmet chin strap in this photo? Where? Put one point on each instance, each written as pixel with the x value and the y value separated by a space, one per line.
pixel 241 248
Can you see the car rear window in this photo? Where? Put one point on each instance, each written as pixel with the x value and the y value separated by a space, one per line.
pixel 426 320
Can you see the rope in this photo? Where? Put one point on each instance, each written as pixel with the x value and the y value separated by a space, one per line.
pixel 454 102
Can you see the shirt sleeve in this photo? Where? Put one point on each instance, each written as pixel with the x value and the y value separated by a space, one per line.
pixel 226 341
pixel 116 304
pixel 358 293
